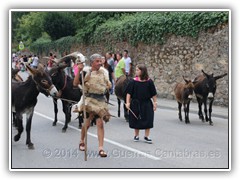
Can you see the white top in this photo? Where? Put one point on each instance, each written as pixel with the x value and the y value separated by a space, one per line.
pixel 35 61
pixel 127 64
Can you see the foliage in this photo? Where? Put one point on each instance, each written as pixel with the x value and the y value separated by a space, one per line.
pixel 153 27
pixel 61 45
pixel 16 16
pixel 30 27
pixel 59 24
pixel 46 31
pixel 89 21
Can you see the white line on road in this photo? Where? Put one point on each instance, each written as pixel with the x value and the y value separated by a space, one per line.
pixel 143 154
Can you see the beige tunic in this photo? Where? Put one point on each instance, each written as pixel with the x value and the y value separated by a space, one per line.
pixel 96 82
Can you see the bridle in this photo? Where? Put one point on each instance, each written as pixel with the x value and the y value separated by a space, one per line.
pixel 39 87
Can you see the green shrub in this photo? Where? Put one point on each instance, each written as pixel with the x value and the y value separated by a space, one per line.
pixel 153 27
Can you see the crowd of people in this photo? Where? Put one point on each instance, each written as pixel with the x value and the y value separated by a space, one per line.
pixel 22 60
pixel 141 99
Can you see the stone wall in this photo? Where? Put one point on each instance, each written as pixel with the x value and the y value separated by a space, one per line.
pixel 179 56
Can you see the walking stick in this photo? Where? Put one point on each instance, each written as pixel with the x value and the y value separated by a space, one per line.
pixel 84 118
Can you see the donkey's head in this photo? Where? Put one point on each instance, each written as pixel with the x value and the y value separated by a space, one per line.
pixel 57 75
pixel 211 84
pixel 189 87
pixel 42 81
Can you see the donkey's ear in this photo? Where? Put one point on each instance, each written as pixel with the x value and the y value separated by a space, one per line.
pixel 185 80
pixel 31 70
pixel 221 76
pixel 207 76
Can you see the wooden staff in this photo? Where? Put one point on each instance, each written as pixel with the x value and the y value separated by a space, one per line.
pixel 84 117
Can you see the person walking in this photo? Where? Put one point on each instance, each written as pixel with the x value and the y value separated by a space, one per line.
pixel 120 67
pixel 110 75
pixel 141 101
pixel 50 61
pixel 96 82
pixel 35 62
pixel 110 61
pixel 128 63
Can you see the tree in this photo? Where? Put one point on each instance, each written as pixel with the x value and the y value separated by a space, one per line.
pixel 59 24
pixel 31 26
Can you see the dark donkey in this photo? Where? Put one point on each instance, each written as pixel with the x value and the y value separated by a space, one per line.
pixel 205 88
pixel 120 91
pixel 184 94
pixel 70 94
pixel 15 76
pixel 24 99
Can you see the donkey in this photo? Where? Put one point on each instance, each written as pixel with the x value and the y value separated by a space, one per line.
pixel 205 88
pixel 24 99
pixel 184 94
pixel 120 91
pixel 66 91
pixel 15 76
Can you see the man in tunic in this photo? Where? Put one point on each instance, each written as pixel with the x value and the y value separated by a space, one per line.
pixel 96 83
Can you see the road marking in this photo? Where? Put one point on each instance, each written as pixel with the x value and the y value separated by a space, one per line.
pixel 143 154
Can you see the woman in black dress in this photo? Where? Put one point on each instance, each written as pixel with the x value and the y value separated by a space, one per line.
pixel 141 100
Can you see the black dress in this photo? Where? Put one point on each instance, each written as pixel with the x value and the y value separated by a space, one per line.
pixel 141 104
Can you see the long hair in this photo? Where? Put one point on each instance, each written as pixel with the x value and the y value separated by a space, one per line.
pixel 144 73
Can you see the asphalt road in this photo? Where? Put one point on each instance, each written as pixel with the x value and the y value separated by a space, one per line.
pixel 175 144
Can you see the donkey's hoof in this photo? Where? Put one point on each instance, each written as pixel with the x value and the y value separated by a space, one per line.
pixel 64 130
pixel 16 138
pixel 31 146
pixel 54 123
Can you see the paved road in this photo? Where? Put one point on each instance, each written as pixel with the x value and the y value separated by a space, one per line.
pixel 175 144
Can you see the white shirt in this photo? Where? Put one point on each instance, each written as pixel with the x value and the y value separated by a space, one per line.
pixel 35 61
pixel 127 61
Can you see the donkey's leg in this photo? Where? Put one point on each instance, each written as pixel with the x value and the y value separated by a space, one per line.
pixel 119 107
pixel 14 119
pixel 210 112
pixel 180 111
pixel 187 113
pixel 19 126
pixel 80 121
pixel 205 110
pixel 126 115
pixel 200 114
pixel 55 112
pixel 28 128
pixel 67 115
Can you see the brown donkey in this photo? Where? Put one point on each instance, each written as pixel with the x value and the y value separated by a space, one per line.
pixel 184 94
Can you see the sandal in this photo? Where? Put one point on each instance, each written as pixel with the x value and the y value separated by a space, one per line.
pixel 102 153
pixel 82 147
